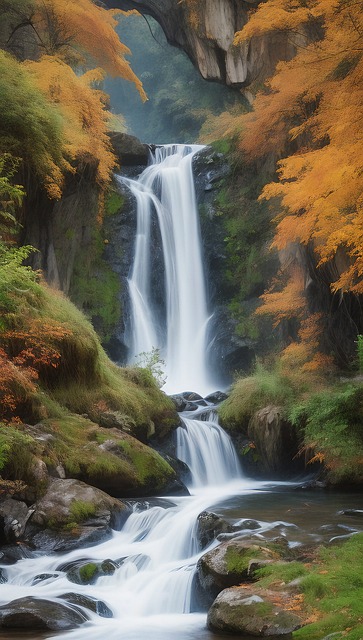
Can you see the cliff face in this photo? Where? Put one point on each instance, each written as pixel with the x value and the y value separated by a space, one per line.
pixel 206 35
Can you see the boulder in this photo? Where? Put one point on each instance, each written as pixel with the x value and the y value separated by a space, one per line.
pixel 216 397
pixel 97 606
pixel 246 614
pixel 36 613
pixel 275 440
pixel 79 537
pixel 179 402
pixel 88 572
pixel 129 150
pixel 230 564
pixel 13 518
pixel 209 526
pixel 72 501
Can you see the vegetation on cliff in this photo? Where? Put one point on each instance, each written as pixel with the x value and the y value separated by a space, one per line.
pixel 57 385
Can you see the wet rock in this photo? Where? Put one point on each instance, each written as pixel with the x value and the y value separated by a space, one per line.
pixel 216 397
pixel 89 572
pixel 97 606
pixel 49 541
pixel 191 396
pixel 13 518
pixel 235 611
pixel 230 564
pixel 36 613
pixel 191 406
pixel 351 512
pixel 179 402
pixel 209 526
pixel 248 524
pixel 10 554
pixel 3 576
pixel 44 576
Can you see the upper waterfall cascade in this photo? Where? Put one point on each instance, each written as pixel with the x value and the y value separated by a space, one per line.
pixel 166 190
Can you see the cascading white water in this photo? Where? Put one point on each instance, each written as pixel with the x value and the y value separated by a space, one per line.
pixel 208 451
pixel 151 591
pixel 166 188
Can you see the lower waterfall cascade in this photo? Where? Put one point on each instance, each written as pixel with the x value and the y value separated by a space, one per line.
pixel 156 551
pixel 165 192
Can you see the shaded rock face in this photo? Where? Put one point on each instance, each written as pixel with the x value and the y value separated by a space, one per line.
pixel 207 37
pixel 129 150
pixel 230 351
pixel 243 613
pixel 275 440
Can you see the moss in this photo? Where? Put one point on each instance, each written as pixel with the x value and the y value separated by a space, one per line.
pixel 150 465
pixel 114 202
pixel 95 287
pixel 17 450
pixel 81 510
pixel 88 572
pixel 254 392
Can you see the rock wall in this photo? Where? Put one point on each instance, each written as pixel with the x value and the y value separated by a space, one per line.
pixel 205 31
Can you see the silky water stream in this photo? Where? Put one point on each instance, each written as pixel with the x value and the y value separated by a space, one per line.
pixel 151 592
pixel 150 595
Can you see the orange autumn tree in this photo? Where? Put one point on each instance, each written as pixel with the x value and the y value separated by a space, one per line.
pixel 315 103
pixel 73 37
pixel 311 114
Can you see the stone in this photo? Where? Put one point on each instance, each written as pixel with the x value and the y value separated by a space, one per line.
pixel 49 541
pixel 14 515
pixel 276 441
pixel 97 606
pixel 129 150
pixel 179 402
pixel 247 614
pixel 216 397
pixel 229 564
pixel 37 613
pixel 249 524
pixel 56 505
pixel 209 526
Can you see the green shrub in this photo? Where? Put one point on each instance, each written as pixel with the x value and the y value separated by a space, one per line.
pixel 331 421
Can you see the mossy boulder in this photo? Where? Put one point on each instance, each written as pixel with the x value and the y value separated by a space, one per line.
pixel 71 502
pixel 246 614
pixel 89 572
pixel 230 564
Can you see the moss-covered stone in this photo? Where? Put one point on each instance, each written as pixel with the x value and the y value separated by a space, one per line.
pixel 246 614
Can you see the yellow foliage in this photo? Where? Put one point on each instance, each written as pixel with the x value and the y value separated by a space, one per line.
pixel 287 303
pixel 317 100
pixel 66 29
pixel 84 116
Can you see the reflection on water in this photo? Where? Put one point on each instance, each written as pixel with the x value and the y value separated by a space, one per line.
pixel 314 513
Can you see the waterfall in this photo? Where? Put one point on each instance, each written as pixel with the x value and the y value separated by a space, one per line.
pixel 165 192
pixel 151 591
pixel 208 451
